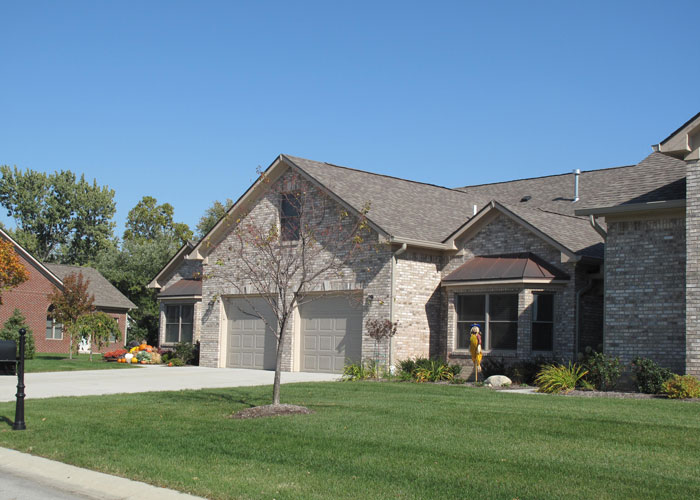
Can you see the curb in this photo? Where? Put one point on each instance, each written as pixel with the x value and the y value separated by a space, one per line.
pixel 78 481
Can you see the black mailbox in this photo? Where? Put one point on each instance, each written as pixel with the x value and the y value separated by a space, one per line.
pixel 8 357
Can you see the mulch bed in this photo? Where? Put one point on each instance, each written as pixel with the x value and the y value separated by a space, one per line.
pixel 271 411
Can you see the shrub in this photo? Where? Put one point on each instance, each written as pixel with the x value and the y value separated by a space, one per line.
pixel 650 376
pixel 361 371
pixel 492 366
pixel 682 387
pixel 176 362
pixel 10 331
pixel 603 371
pixel 428 370
pixel 188 353
pixel 559 378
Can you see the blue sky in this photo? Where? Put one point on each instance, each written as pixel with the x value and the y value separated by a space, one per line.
pixel 183 100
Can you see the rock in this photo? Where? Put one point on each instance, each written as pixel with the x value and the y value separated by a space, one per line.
pixel 498 381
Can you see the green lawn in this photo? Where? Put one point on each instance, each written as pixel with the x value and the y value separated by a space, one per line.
pixel 59 362
pixel 375 440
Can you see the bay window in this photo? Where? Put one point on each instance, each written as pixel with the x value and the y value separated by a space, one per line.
pixel 496 315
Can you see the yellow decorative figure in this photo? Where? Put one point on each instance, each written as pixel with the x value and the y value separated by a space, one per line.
pixel 475 349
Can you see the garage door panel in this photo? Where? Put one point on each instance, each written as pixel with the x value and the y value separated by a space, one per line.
pixel 331 332
pixel 251 343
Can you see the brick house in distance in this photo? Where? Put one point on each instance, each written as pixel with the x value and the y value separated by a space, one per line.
pixel 31 298
pixel 547 266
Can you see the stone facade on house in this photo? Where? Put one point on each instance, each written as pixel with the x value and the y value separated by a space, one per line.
pixel 645 290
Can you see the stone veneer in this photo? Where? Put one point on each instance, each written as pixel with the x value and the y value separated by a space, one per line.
pixel 368 279
pixel 692 269
pixel 645 290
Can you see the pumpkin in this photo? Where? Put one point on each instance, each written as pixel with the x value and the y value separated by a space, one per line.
pixel 134 360
pixel 149 349
pixel 144 362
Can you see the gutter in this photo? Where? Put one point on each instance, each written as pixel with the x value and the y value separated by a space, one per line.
pixel 633 207
pixel 391 301
pixel 599 229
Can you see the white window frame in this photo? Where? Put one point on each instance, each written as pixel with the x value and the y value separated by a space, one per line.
pixel 54 326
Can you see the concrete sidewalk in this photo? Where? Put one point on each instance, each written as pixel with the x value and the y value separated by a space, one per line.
pixel 147 378
pixel 28 477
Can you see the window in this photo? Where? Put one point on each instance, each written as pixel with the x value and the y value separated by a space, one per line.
pixel 290 216
pixel 54 331
pixel 178 323
pixel 497 316
pixel 543 322
pixel 112 337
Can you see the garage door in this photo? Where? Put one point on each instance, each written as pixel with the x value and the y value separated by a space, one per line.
pixel 331 331
pixel 250 343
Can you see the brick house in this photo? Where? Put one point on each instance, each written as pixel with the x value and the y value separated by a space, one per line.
pixel 31 298
pixel 541 264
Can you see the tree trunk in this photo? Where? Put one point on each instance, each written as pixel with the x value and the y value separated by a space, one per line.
pixel 278 370
pixel 70 347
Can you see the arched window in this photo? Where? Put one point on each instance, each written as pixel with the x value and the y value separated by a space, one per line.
pixel 54 331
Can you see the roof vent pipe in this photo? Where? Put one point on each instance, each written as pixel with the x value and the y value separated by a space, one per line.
pixel 577 174
pixel 474 210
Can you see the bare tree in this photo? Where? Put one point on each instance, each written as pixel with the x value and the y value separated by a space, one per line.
pixel 286 253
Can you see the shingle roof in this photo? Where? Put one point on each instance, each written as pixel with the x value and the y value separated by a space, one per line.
pixel 502 267
pixel 106 295
pixel 400 207
pixel 408 209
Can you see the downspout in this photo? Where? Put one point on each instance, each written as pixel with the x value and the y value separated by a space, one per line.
pixel 398 252
pixel 597 226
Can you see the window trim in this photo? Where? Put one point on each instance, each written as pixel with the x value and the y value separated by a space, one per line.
pixel 54 325
pixel 486 333
pixel 179 305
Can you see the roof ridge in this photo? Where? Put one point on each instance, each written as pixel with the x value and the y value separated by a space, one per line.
pixel 544 176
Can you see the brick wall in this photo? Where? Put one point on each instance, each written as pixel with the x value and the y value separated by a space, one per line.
pixel 645 291
pixel 31 298
pixel 368 275
pixel 417 305
pixel 504 236
pixel 692 269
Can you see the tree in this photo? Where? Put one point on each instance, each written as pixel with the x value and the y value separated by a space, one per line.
pixel 148 220
pixel 10 331
pixel 97 328
pixel 70 304
pixel 380 330
pixel 284 260
pixel 12 272
pixel 59 217
pixel 212 215
pixel 130 268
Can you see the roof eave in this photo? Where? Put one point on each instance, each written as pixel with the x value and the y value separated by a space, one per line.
pixel 633 207
pixel 185 249
pixel 33 260
pixel 514 281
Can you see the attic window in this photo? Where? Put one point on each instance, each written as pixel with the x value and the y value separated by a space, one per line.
pixel 525 198
pixel 290 208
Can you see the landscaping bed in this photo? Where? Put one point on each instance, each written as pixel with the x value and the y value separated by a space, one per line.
pixel 59 362
pixel 401 440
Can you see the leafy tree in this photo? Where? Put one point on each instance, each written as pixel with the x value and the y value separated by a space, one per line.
pixel 148 220
pixel 59 217
pixel 285 262
pixel 97 328
pixel 10 331
pixel 12 272
pixel 212 215
pixel 70 304
pixel 130 268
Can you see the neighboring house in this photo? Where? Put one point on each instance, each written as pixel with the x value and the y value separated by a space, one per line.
pixel 32 299
pixel 528 260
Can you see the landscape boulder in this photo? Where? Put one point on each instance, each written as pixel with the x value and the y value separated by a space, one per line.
pixel 498 381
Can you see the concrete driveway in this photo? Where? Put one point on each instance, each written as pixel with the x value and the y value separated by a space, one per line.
pixel 145 379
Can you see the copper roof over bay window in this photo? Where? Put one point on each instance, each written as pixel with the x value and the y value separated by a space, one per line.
pixel 521 267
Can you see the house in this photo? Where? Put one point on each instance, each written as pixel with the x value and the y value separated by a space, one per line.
pixel 31 298
pixel 547 266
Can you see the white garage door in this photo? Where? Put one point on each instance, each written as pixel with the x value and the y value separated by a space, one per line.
pixel 250 343
pixel 331 332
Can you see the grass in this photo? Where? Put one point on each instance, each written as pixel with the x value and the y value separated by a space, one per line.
pixel 375 440
pixel 59 362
